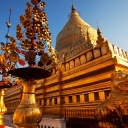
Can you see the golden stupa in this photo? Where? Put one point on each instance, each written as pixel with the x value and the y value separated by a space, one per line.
pixel 83 78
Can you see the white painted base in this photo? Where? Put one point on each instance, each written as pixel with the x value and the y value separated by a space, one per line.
pixel 50 122
pixel 8 121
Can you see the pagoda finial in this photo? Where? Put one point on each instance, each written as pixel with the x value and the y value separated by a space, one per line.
pixel 97 25
pixel 72 1
pixel 73 7
pixel 98 29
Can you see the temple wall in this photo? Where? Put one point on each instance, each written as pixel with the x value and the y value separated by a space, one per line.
pixel 85 81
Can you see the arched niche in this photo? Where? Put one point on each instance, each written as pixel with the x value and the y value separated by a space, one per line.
pixel 96 53
pixel 89 56
pixel 82 59
pixel 67 66
pixel 77 62
pixel 71 64
pixel 104 49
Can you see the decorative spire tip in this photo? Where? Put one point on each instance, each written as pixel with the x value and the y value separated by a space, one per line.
pixel 73 7
pixel 97 25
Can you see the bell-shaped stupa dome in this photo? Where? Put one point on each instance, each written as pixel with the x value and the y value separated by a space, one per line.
pixel 74 31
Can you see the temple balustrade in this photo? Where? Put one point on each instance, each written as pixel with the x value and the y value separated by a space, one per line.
pixel 104 49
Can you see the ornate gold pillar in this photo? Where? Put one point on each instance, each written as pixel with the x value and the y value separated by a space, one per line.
pixel 28 114
pixel 3 109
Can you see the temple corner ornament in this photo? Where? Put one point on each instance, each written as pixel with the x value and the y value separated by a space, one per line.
pixel 111 111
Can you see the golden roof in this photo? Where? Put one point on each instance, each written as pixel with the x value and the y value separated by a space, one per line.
pixel 75 29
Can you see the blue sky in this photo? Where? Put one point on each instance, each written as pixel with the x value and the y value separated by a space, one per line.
pixel 112 16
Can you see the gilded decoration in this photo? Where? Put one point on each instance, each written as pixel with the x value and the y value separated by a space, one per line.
pixel 28 112
pixel 39 60
pixel 2 61
pixel 79 40
pixel 8 58
pixel 3 108
pixel 100 38
pixel 118 99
